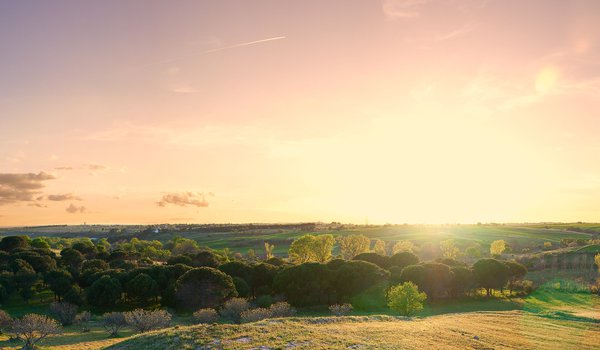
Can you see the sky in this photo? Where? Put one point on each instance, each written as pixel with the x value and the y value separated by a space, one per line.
pixel 392 111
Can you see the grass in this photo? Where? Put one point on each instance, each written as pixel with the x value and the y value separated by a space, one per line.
pixel 478 330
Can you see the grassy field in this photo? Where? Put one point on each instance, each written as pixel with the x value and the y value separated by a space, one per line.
pixel 475 330
pixel 242 240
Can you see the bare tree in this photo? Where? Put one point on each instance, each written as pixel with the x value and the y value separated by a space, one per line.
pixel 64 312
pixel 144 320
pixel 113 322
pixel 82 319
pixel 5 320
pixel 33 328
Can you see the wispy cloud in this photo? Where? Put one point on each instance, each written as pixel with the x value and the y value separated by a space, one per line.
pixel 62 197
pixel 22 187
pixel 73 209
pixel 403 8
pixel 183 199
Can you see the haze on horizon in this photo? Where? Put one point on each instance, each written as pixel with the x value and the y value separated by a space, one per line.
pixel 419 111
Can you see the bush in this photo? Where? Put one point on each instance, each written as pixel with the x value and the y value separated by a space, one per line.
pixel 340 310
pixel 406 299
pixel 113 322
pixel 255 315
pixel 233 309
pixel 143 320
pixel 32 328
pixel 82 319
pixel 282 309
pixel 64 312
pixel 206 316
pixel 264 301
pixel 5 320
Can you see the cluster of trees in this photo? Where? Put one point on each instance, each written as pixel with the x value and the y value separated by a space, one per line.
pixel 139 273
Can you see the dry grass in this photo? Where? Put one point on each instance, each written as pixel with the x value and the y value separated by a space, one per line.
pixel 476 330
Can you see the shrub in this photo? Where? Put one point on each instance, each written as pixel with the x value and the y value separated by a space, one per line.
pixel 206 316
pixel 282 309
pixel 264 301
pixel 340 310
pixel 144 320
pixel 82 319
pixel 32 328
pixel 5 320
pixel 233 309
pixel 255 315
pixel 64 312
pixel 406 299
pixel 113 322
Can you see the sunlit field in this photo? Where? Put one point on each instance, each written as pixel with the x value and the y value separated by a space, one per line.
pixel 299 174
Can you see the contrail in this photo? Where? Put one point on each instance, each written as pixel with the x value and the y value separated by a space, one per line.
pixel 245 44
pixel 212 50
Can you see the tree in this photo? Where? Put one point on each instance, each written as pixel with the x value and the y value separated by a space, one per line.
pixel 352 245
pixel 473 252
pixel 322 247
pixel 64 312
pixel 33 328
pixel 406 299
pixel 113 322
pixel 40 242
pixel 403 259
pixel 60 282
pixel 204 287
pixel 205 259
pixel 490 274
pixel 72 259
pixel 142 288
pixel 269 250
pixel 374 258
pixel 449 250
pixel 497 247
pixel 379 247
pixel 105 292
pixel 144 321
pixel 516 272
pixel 10 243
pixel 25 279
pixel 403 246
pixel 5 320
pixel 597 261
pixel 301 249
pixel 353 277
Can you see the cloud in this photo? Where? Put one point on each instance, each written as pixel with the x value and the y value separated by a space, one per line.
pixel 62 197
pixel 64 168
pixel 183 199
pixel 403 8
pixel 21 187
pixel 96 167
pixel 73 209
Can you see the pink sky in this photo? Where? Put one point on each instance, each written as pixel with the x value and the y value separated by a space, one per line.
pixel 419 111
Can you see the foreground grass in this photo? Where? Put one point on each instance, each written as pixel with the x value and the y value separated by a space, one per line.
pixel 478 330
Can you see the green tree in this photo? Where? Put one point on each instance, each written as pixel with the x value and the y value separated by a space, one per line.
pixel 406 299
pixel 301 249
pixel 516 272
pixel 203 287
pixel 352 245
pixel 490 274
pixel 142 288
pixel 379 247
pixel 497 247
pixel 403 246
pixel 322 247
pixel 105 292
pixel 449 249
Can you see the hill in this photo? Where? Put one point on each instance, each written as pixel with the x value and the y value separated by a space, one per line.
pixel 476 330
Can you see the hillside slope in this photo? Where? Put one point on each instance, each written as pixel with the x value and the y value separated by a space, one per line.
pixel 477 330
